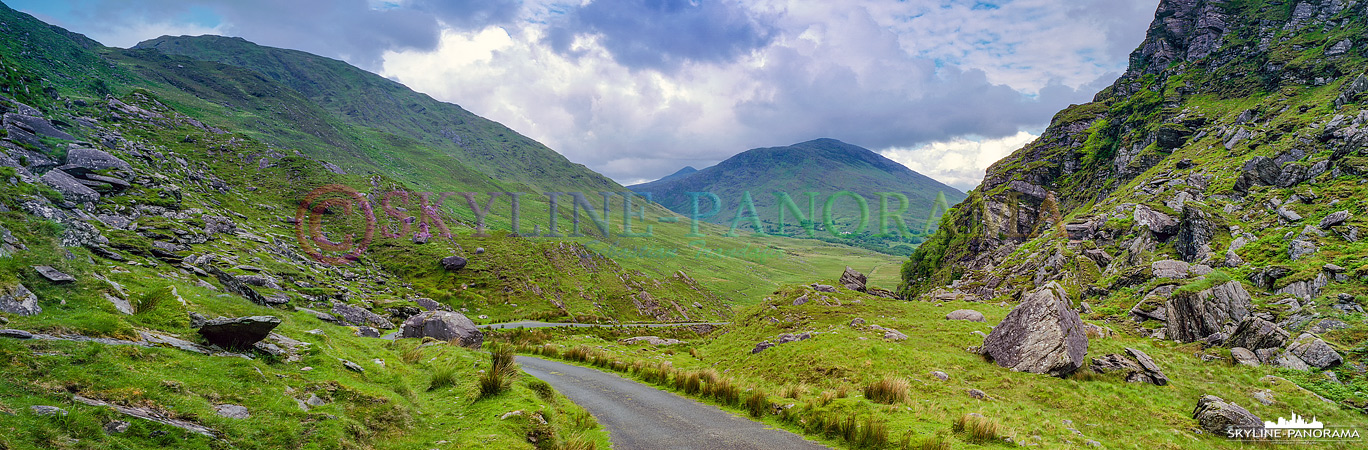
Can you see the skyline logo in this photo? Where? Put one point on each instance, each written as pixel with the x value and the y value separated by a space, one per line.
pixel 1297 422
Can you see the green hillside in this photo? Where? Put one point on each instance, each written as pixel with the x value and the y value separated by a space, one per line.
pixel 824 167
pixel 1234 150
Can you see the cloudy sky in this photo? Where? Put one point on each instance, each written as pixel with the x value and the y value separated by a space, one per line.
pixel 636 89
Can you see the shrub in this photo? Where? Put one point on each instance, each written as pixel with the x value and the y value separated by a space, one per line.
pixel 887 391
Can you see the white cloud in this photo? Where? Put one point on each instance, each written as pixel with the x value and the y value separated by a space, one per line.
pixel 885 75
pixel 959 162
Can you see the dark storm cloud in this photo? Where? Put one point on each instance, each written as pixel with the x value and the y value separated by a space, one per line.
pixel 349 29
pixel 661 34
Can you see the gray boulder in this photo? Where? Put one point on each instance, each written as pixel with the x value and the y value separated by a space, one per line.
pixel 1138 367
pixel 1162 225
pixel 1335 218
pixel 1255 334
pixel 1215 415
pixel 823 288
pixel 853 280
pixel 1152 372
pixel 1300 248
pixel 1041 335
pixel 233 411
pixel 1192 316
pixel 1170 268
pixel 17 299
pixel 72 190
pixel 91 160
pixel 1258 171
pixel 1314 351
pixel 453 263
pixel 443 326
pixel 36 125
pixel 1289 361
pixel 965 314
pixel 361 317
pixel 239 332
pixel 762 346
pixel 1242 355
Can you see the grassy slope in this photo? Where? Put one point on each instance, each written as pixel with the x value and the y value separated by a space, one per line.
pixel 1029 408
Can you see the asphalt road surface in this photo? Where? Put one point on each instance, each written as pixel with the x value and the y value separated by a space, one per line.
pixel 642 417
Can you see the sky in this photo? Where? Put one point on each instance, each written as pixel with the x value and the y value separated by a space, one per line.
pixel 637 89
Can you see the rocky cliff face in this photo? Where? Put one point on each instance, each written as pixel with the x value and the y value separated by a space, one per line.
pixel 1232 149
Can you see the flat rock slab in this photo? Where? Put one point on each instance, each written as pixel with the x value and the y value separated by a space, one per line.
pixel 147 414
pixel 54 275
pixel 642 417
pixel 965 314
pixel 240 332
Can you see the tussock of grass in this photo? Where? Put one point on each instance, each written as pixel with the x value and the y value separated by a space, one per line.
pixel 978 429
pixel 502 370
pixel 887 391
pixel 541 388
pixel 442 378
pixel 757 403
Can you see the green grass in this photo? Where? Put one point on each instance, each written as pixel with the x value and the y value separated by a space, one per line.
pixel 1022 405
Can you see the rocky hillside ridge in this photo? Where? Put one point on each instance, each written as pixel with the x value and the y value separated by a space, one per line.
pixel 1211 194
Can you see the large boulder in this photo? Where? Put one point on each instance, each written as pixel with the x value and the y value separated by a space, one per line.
pixel 1334 218
pixel 72 190
pixel 965 314
pixel 1254 334
pixel 239 332
pixel 443 326
pixel 17 299
pixel 91 160
pixel 1041 335
pixel 853 280
pixel 1216 416
pixel 453 263
pixel 1192 316
pixel 1314 352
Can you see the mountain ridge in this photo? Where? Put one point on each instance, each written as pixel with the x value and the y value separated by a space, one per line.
pixel 825 165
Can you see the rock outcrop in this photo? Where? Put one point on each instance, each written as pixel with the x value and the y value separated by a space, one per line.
pixel 1041 335
pixel 1192 316
pixel 17 299
pixel 853 280
pixel 1255 334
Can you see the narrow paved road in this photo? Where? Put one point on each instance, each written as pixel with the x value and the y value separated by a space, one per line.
pixel 642 417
